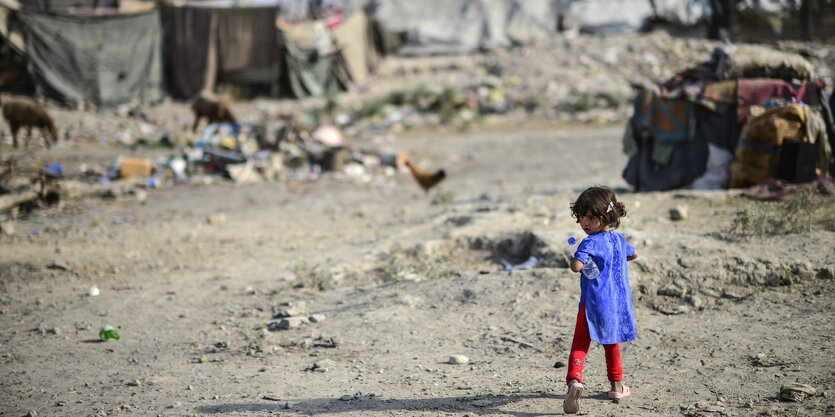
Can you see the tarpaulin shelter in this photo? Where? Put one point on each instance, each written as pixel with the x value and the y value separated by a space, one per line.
pixel 104 60
pixel 679 124
pixel 313 63
pixel 455 26
pixel 320 60
pixel 212 43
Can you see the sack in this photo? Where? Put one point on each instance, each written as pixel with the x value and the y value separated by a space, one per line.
pixel 758 151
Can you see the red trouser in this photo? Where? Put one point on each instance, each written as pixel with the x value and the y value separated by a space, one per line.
pixel 580 347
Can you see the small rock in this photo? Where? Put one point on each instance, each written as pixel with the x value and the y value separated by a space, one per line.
pixel 559 364
pixel 826 273
pixel 796 392
pixel 678 212
pixel 141 195
pixel 288 323
pixel 135 383
pixel 7 228
pixel 217 218
pixel 458 360
pixel 346 397
pixel 682 309
pixel 482 403
pixel 695 301
pixel 323 365
pixel 316 318
pixel 298 308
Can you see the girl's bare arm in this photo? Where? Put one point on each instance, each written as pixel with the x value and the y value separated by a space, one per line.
pixel 576 265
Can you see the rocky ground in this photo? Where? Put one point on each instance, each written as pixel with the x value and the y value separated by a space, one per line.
pixel 382 283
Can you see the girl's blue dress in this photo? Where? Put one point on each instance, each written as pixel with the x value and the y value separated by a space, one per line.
pixel 608 298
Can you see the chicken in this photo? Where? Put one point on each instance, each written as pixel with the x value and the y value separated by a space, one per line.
pixel 426 180
pixel 214 109
pixel 25 112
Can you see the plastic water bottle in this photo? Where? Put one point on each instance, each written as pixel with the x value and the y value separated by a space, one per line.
pixel 107 332
pixel 573 243
pixel 589 270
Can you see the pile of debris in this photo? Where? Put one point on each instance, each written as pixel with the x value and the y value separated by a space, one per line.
pixel 239 153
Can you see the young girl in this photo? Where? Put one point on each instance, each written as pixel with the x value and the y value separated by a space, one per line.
pixel 605 312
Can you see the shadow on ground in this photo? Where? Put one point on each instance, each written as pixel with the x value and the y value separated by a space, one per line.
pixel 478 405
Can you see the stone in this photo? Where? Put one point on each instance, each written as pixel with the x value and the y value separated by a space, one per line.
pixel 288 323
pixel 796 392
pixel 217 218
pixel 679 212
pixel 141 195
pixel 694 300
pixel 316 318
pixel 323 365
pixel 346 397
pixel 7 228
pixel 458 360
pixel 297 308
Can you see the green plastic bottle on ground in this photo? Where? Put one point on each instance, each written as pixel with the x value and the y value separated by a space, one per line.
pixel 107 332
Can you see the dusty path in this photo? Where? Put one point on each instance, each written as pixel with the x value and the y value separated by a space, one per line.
pixel 191 300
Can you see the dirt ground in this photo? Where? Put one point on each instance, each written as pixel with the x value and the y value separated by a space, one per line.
pixel 192 301
pixel 397 281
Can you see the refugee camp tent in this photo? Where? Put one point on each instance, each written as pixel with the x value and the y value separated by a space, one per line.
pixel 455 26
pixel 355 41
pixel 105 60
pixel 758 21
pixel 213 43
pixel 680 126
pixel 314 65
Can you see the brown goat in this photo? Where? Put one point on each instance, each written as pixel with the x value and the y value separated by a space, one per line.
pixel 214 109
pixel 22 111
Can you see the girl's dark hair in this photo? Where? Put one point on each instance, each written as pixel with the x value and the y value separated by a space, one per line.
pixel 602 203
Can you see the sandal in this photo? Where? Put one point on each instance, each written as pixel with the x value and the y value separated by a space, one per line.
pixel 617 396
pixel 571 403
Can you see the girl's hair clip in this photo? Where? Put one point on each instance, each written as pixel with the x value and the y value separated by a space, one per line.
pixel 611 207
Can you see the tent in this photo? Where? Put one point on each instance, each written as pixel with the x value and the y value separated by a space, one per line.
pixel 105 60
pixel 215 43
pixel 211 44
pixel 456 26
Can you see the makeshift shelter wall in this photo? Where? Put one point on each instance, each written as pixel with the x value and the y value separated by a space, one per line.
pixel 314 65
pixel 207 45
pixel 454 26
pixel 104 60
pixel 758 21
pixel 354 40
